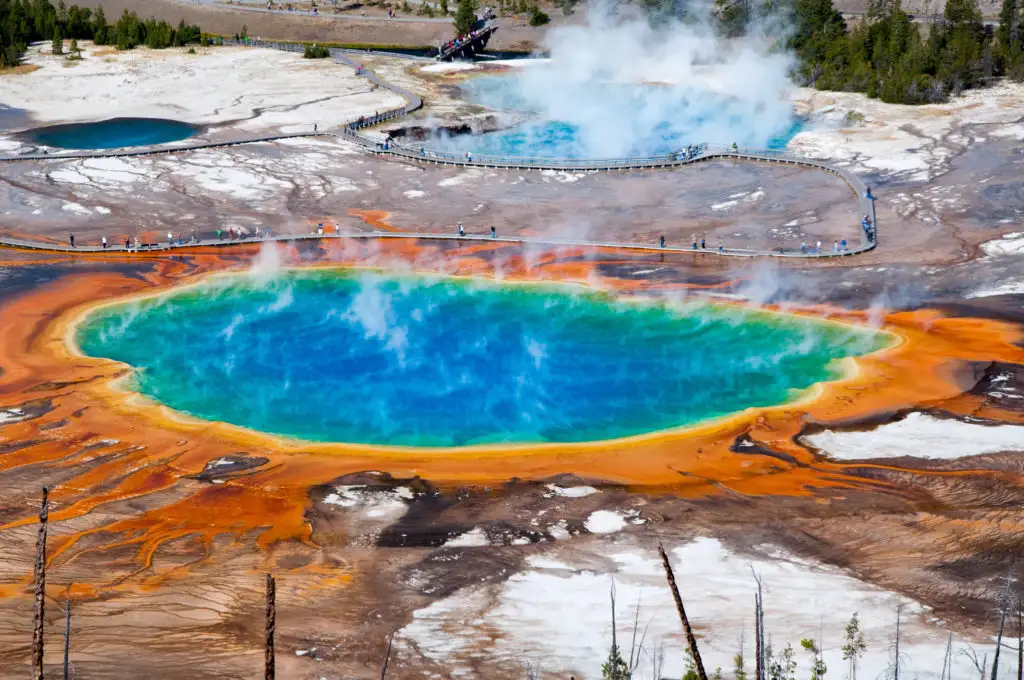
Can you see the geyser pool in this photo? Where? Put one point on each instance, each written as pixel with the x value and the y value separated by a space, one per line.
pixel 113 133
pixel 594 120
pixel 339 355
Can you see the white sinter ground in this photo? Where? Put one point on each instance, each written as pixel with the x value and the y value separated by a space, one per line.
pixel 264 90
pixel 895 139
pixel 1003 269
pixel 557 613
pixel 922 436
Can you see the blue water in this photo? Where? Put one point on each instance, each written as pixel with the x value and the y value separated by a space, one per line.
pixel 332 355
pixel 591 120
pixel 113 133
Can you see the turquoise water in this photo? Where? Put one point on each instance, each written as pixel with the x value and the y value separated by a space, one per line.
pixel 589 120
pixel 357 357
pixel 113 133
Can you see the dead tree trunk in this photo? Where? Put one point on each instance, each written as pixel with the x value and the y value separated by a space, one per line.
pixel 67 637
pixel 947 659
pixel 40 589
pixel 690 639
pixel 268 658
pixel 1020 639
pixel 999 638
pixel 896 663
pixel 387 657
pixel 758 670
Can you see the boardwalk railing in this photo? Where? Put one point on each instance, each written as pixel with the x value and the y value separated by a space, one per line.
pixel 25 244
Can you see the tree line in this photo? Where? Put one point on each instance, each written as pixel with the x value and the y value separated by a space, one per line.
pixel 887 54
pixel 23 22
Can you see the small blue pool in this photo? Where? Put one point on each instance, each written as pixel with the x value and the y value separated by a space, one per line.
pixel 113 133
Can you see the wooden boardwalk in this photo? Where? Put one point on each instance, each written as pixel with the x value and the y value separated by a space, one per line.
pixel 24 244
pixel 351 131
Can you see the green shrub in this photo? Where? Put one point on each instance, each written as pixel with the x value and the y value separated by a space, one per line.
pixel 316 52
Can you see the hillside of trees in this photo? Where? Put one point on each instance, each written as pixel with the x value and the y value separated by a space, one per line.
pixel 26 21
pixel 888 55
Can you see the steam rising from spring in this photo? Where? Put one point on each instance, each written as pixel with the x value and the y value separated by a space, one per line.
pixel 700 87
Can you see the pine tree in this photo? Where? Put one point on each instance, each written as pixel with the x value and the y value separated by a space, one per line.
pixel 58 41
pixel 465 17
pixel 615 667
pixel 732 16
pixel 739 670
pixel 853 645
pixel 818 667
pixel 783 667
pixel 128 31
pixel 99 27
pixel 691 666
pixel 1008 33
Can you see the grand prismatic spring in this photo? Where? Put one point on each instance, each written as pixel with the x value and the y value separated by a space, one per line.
pixel 362 368
pixel 428 362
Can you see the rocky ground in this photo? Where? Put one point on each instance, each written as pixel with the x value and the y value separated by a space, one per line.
pixel 485 580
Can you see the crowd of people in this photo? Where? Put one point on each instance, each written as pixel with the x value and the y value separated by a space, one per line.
pixel 690 152
pixel 461 41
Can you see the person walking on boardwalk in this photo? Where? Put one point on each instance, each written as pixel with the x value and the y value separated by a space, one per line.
pixel 314 127
pixel 494 232
pixel 127 243
pixel 71 239
pixel 170 239
pixel 104 241
pixel 662 240
pixel 462 232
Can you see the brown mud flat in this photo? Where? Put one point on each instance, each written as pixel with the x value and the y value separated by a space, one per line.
pixel 159 550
